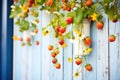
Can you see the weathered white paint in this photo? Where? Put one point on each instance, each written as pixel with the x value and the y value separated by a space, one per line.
pixel 34 63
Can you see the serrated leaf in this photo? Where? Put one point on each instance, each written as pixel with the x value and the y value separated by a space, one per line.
pixel 79 16
pixel 23 25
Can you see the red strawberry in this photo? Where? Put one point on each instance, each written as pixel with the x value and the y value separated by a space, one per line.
pixel 28 39
pixel 54 60
pixel 99 25
pixel 37 43
pixel 115 20
pixel 31 1
pixel 53 54
pixel 90 19
pixel 58 66
pixel 28 5
pixel 62 29
pixel 68 9
pixel 61 42
pixel 64 0
pixel 60 33
pixel 36 31
pixel 69 20
pixel 88 67
pixel 57 28
pixel 88 3
pixel 49 2
pixel 78 61
pixel 88 41
pixel 112 38
pixel 50 47
pixel 21 39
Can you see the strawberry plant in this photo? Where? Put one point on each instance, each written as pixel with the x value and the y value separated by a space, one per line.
pixel 64 13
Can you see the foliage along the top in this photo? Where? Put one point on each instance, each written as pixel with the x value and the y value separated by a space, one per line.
pixel 64 13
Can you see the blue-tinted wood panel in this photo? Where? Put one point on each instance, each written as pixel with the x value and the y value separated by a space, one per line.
pixel 34 63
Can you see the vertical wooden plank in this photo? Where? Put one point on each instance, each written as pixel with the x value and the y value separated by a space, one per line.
pixel 92 57
pixel 68 53
pixel 114 51
pixel 75 67
pixel 23 62
pixel 60 57
pixel 16 57
pixel 29 62
pixel 102 52
pixel 37 53
pixel 19 58
pixel 45 53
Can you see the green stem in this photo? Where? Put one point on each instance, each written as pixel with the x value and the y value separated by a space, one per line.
pixel 85 59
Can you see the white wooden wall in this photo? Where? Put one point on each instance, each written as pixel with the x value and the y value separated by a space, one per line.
pixel 34 63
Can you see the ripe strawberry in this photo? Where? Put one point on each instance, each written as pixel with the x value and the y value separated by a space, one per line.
pixel 28 39
pixel 65 1
pixel 49 2
pixel 68 9
pixel 99 25
pixel 112 38
pixel 36 31
pixel 31 1
pixel 78 61
pixel 88 2
pixel 37 42
pixel 54 60
pixel 50 47
pixel 88 67
pixel 90 19
pixel 57 28
pixel 60 33
pixel 53 54
pixel 28 5
pixel 115 20
pixel 21 39
pixel 69 20
pixel 58 66
pixel 88 41
pixel 62 29
pixel 61 42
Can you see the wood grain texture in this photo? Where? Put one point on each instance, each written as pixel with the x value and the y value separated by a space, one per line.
pixel 114 51
pixel 34 63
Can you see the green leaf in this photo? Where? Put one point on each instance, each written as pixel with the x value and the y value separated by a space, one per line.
pixel 39 2
pixel 79 16
pixel 108 1
pixel 34 25
pixel 16 11
pixel 23 25
pixel 22 1
pixel 71 14
pixel 68 35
